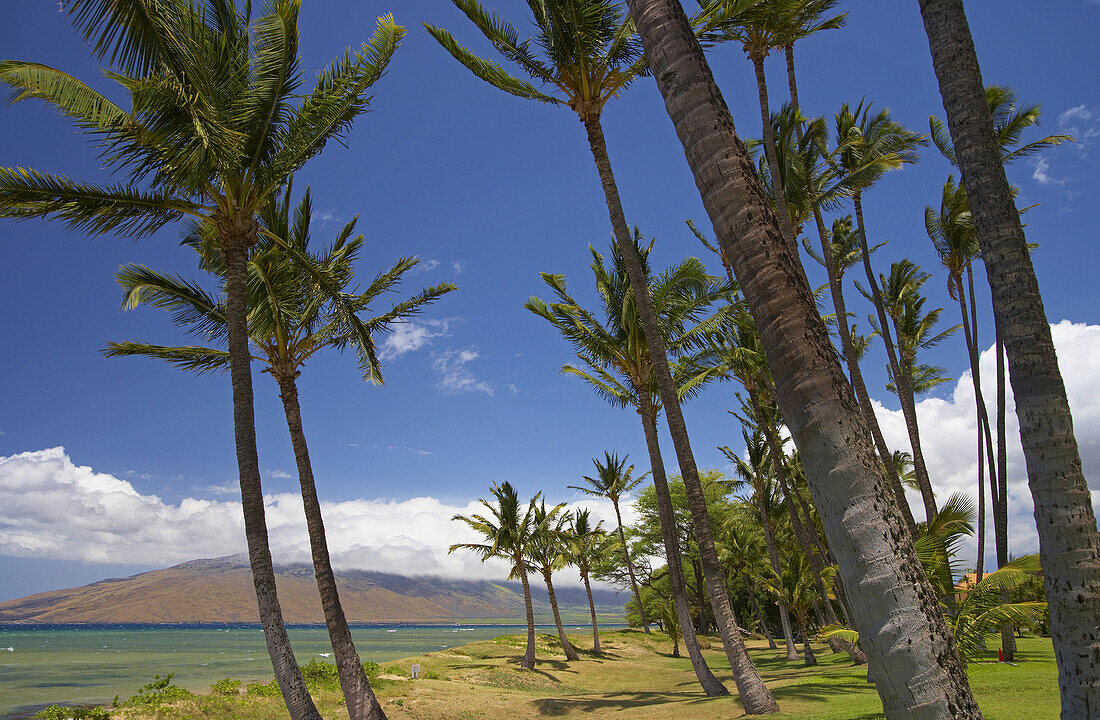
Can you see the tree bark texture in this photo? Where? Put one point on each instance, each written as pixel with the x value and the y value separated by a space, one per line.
pixel 566 646
pixel 528 662
pixel 910 648
pixel 1069 545
pixel 592 609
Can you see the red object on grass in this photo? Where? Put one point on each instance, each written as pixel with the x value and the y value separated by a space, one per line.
pixel 1000 655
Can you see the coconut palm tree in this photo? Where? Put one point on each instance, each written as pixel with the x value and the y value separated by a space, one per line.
pixel 216 123
pixel 613 480
pixel 616 363
pixel 753 470
pixel 507 529
pixel 290 319
pixel 881 573
pixel 590 55
pixel 1069 544
pixel 546 553
pixel 582 541
pixel 800 20
pixel 743 551
pixel 793 586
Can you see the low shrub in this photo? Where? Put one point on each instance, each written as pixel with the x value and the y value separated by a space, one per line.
pixel 160 691
pixel 321 675
pixel 268 689
pixel 76 712
pixel 372 669
pixel 228 686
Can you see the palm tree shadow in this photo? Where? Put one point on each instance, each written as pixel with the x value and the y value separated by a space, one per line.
pixel 556 707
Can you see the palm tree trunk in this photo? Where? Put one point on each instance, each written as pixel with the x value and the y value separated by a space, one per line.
pixel 528 662
pixel 773 559
pixel 706 678
pixel 807 651
pixel 630 568
pixel 360 699
pixel 592 609
pixel 920 469
pixel 755 696
pixel 750 586
pixel 910 647
pixel 863 400
pixel 1000 503
pixel 985 439
pixel 1069 545
pixel 566 646
pixel 236 238
pixel 773 158
pixel 903 382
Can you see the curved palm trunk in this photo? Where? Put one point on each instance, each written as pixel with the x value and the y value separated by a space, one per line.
pixel 592 609
pixel 528 662
pixel 910 647
pixel 236 238
pixel 807 651
pixel 751 587
pixel 836 290
pixel 773 158
pixel 755 696
pixel 909 413
pixel 630 568
pixel 903 381
pixel 566 646
pixel 773 559
pixel 1069 545
pixel 358 695
pixel 706 678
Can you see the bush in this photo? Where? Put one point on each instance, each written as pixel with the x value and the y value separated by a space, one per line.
pixel 77 712
pixel 268 689
pixel 227 686
pixel 159 692
pixel 372 669
pixel 321 675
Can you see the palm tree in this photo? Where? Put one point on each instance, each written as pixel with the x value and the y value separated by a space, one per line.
pixel 591 55
pixel 753 470
pixel 582 541
pixel 881 573
pixel 616 363
pixel 1069 544
pixel 613 480
pixel 742 547
pixel 800 20
pixel 794 587
pixel 547 552
pixel 289 321
pixel 507 530
pixel 217 123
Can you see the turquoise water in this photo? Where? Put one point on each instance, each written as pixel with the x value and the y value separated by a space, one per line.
pixel 74 664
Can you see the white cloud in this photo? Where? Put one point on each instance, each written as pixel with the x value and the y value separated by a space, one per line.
pixel 948 430
pixel 1040 173
pixel 425 265
pixel 455 377
pixel 412 335
pixel 1083 124
pixel 406 448
pixel 458 267
pixel 279 474
pixel 229 487
pixel 56 509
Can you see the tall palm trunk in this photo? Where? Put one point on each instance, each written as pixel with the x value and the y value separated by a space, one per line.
pixel 907 397
pixel 1000 502
pixel 801 534
pixel 863 400
pixel 807 651
pixel 358 696
pixel 773 559
pixel 773 157
pixel 566 646
pixel 706 678
pixel 236 235
pixel 1069 545
pixel 630 568
pixel 836 289
pixel 592 609
pixel 910 647
pixel 528 662
pixel 755 696
pixel 908 411
pixel 751 587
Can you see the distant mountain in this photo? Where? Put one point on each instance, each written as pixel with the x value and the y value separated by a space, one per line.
pixel 220 590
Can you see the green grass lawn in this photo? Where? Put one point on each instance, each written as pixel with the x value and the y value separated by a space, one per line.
pixel 635 678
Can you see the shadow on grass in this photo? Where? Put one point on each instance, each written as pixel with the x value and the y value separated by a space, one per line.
pixel 614 701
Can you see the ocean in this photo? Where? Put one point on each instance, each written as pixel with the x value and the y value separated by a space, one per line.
pixel 78 664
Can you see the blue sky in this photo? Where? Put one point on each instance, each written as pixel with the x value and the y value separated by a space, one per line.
pixel 488 190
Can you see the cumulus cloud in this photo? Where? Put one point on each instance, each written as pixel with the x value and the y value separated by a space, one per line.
pixel 56 509
pixel 1040 173
pixel 948 429
pixel 412 335
pixel 454 377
